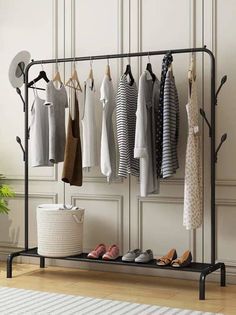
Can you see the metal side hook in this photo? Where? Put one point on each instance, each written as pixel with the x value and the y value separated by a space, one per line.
pixel 222 82
pixel 222 140
pixel 18 140
pixel 203 114
pixel 18 91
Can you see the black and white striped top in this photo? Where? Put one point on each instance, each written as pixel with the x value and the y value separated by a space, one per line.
pixel 166 62
pixel 170 126
pixel 125 122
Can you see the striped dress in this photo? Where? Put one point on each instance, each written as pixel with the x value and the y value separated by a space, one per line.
pixel 125 122
pixel 170 127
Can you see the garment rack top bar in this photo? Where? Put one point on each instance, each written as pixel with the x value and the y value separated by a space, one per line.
pixel 122 55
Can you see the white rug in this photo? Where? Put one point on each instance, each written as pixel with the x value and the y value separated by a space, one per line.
pixel 19 301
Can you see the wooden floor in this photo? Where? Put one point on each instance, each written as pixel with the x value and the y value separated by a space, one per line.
pixel 118 286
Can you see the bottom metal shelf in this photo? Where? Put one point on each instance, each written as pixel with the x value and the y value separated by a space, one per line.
pixel 193 267
pixel 203 268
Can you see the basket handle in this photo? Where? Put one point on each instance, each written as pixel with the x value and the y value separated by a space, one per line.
pixel 78 218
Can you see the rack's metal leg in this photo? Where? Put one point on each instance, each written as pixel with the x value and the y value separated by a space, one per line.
pixel 222 275
pixel 9 263
pixel 42 262
pixel 202 286
pixel 9 266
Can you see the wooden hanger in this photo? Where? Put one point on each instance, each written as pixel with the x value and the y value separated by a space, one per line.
pixel 91 74
pixel 91 71
pixel 57 77
pixel 171 68
pixel 73 81
pixel 108 70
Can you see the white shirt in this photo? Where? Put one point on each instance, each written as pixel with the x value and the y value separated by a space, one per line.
pixel 148 100
pixel 108 150
pixel 39 133
pixel 89 151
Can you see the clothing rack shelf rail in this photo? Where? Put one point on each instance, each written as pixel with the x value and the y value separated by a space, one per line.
pixel 203 268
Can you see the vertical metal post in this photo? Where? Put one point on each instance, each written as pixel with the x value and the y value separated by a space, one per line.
pixel 213 214
pixel 42 262
pixel 202 286
pixel 222 275
pixel 26 161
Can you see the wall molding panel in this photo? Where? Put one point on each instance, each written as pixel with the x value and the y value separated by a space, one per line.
pixel 229 204
pixel 139 33
pixel 100 179
pixel 19 196
pixel 38 195
pixel 120 36
pixel 192 23
pixel 118 199
pixel 226 183
pixel 47 178
pixel 166 200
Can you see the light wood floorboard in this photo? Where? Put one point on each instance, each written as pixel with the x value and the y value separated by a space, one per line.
pixel 120 286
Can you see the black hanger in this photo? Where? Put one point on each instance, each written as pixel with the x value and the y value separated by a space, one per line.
pixel 129 72
pixel 42 75
pixel 149 68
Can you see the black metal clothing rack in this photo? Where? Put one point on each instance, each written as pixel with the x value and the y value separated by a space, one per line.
pixel 203 268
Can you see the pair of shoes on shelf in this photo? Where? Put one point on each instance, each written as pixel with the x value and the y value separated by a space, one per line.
pixel 171 259
pixel 138 256
pixel 100 251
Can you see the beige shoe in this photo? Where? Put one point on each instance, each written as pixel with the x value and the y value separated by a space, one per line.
pixel 183 261
pixel 168 258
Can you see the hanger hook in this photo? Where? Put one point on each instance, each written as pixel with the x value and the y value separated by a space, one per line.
pixel 91 63
pixel 149 57
pixel 108 62
pixel 128 59
pixel 42 65
pixel 57 68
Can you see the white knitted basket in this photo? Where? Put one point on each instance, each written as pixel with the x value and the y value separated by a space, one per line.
pixel 60 232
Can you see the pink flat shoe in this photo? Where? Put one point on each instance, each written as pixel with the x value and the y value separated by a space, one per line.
pixel 97 252
pixel 112 253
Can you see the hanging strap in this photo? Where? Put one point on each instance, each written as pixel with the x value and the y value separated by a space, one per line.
pixel 35 89
pixel 192 69
pixel 35 94
pixel 71 102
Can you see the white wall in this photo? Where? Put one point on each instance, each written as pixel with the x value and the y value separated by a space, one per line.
pixel 116 213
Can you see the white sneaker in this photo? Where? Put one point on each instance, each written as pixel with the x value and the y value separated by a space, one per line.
pixel 145 257
pixel 131 255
